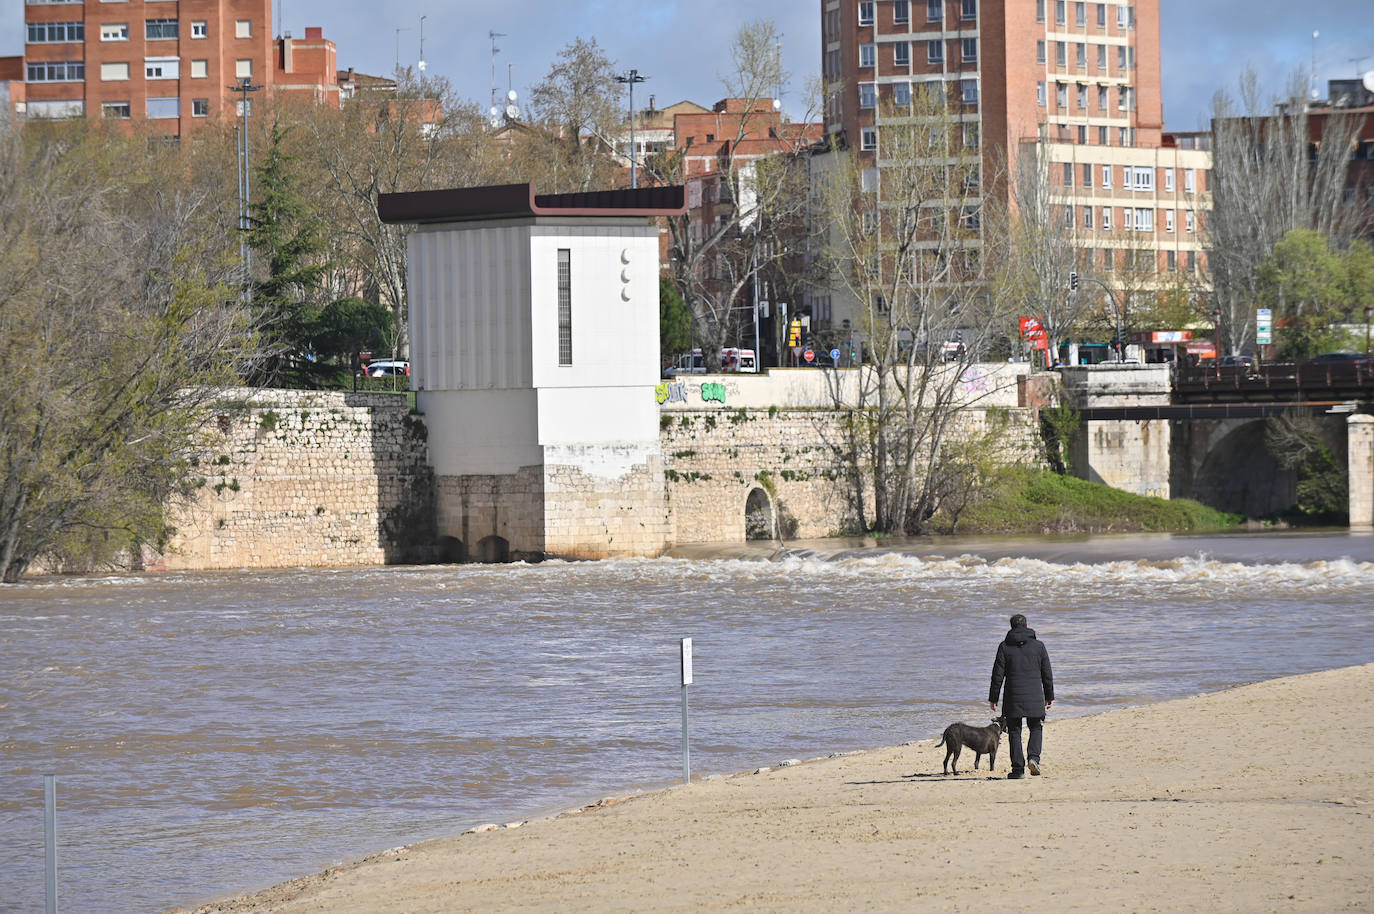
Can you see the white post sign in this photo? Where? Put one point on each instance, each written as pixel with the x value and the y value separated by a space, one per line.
pixel 686 681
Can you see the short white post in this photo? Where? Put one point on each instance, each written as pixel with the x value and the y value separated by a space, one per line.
pixel 50 842
pixel 686 681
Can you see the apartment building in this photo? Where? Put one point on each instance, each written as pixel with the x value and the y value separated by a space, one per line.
pixel 169 62
pixel 1077 83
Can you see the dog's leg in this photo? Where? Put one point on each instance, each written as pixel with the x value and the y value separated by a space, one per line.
pixel 977 757
pixel 992 758
pixel 956 750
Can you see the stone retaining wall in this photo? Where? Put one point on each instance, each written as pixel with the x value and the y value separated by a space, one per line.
pixel 307 478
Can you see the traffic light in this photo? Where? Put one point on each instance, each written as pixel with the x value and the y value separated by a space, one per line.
pixel 1073 281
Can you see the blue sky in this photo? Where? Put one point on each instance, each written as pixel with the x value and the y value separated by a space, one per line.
pixel 683 47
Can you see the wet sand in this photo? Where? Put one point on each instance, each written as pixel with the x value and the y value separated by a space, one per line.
pixel 1258 798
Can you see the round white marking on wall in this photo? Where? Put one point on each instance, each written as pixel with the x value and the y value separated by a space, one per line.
pixel 624 255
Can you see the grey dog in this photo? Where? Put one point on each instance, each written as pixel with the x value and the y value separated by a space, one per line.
pixel 982 740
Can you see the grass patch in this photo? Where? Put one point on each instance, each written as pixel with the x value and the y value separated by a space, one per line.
pixel 1027 500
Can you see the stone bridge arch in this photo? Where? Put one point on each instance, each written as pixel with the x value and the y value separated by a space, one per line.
pixel 1224 464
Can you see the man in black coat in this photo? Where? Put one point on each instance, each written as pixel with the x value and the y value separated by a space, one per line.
pixel 1023 665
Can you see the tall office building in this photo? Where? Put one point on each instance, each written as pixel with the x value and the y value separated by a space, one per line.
pixel 1077 83
pixel 171 62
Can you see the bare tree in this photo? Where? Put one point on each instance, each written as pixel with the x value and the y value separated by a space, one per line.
pixel 908 243
pixel 1268 177
pixel 578 105
pixel 118 323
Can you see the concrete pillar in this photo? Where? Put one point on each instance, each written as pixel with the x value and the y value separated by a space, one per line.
pixel 1360 461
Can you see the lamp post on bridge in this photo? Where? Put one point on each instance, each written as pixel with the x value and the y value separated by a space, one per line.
pixel 1120 340
pixel 631 77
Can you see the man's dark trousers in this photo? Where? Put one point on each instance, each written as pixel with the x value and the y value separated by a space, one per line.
pixel 1018 757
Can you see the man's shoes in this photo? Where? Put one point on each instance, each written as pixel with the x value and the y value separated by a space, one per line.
pixel 1034 766
pixel 1015 773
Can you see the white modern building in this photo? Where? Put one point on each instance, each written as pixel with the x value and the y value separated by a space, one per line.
pixel 534 350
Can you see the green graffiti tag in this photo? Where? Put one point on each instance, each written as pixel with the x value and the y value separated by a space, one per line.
pixel 661 393
pixel 713 391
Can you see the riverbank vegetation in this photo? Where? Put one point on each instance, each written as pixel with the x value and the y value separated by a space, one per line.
pixel 1029 500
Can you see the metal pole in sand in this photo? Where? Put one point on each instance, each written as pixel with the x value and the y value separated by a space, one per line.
pixel 50 842
pixel 686 681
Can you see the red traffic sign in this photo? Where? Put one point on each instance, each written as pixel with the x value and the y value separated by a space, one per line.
pixel 809 355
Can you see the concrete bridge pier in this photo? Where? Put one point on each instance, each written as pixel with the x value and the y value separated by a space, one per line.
pixel 1360 463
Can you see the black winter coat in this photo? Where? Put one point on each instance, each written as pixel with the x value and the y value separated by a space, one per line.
pixel 1024 664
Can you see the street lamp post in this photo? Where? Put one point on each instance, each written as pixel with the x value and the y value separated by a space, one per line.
pixel 242 88
pixel 1116 310
pixel 631 77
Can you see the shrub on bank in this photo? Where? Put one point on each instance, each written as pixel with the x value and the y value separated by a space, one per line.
pixel 1031 500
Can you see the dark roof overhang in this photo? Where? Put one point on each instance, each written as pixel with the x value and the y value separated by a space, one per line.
pixel 505 201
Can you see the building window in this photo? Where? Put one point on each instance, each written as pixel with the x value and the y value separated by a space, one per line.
pixel 1102 58
pixel 970 49
pixel 1068 174
pixel 1102 16
pixel 1107 177
pixel 1059 17
pixel 200 107
pixel 865 13
pixel 120 110
pixel 1040 51
pixel 114 31
pixel 1121 59
pixel 1144 220
pixel 56 71
pixel 55 32
pixel 1192 261
pixel 1189 181
pixel 199 29
pixel 164 108
pixel 243 69
pixel 565 349
pixel 901 93
pixel 970 87
pixel 1107 258
pixel 971 136
pixel 1171 259
pixel 243 28
pixel 161 67
pixel 968 9
pixel 1082 97
pixel 1169 221
pixel 901 54
pixel 1121 136
pixel 868 180
pixel 1039 10
pixel 112 72
pixel 1189 222
pixel 1102 136
pixel 868 138
pixel 1061 50
pixel 1121 17
pixel 155 29
pixel 935 10
pixel 1168 180
pixel 1087 217
pixel 1081 57
pixel 1082 134
pixel 1061 96
pixel 901 12
pixel 200 69
pixel 1087 175
pixel 1103 101
pixel 1040 93
pixel 935 51
pixel 1127 219
pixel 1068 218
pixel 868 55
pixel 868 96
pixel 1080 15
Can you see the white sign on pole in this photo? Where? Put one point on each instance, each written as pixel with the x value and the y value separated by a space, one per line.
pixel 686 661
pixel 1264 326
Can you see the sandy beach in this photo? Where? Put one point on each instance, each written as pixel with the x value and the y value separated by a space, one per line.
pixel 1258 798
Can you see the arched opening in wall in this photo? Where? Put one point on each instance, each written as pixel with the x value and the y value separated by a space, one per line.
pixel 758 516
pixel 452 551
pixel 1241 476
pixel 492 549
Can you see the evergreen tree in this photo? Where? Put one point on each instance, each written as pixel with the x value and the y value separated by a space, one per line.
pixel 288 234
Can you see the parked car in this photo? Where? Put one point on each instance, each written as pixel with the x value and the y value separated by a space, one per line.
pixel 387 368
pixel 1340 358
pixel 1238 361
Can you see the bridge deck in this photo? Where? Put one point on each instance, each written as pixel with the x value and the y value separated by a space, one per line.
pixel 1275 383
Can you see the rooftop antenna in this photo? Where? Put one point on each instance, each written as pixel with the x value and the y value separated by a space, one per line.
pixel 495 112
pixel 1315 92
pixel 422 44
pixel 398 48
pixel 1357 61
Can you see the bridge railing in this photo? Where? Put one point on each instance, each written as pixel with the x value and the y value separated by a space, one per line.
pixel 1278 381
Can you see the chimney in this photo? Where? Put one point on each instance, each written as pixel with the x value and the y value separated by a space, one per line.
pixel 314 33
pixel 286 53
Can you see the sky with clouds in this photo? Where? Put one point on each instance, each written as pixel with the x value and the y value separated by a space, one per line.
pixel 683 46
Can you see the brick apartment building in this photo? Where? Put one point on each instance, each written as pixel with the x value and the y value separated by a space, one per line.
pixel 170 62
pixel 1078 82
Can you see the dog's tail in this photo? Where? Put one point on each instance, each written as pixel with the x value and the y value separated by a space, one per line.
pixel 945 738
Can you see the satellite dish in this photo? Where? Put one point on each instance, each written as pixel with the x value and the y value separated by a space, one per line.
pixel 511 96
pixel 512 112
pixel 1368 80
pixel 422 66
pixel 777 104
pixel 495 115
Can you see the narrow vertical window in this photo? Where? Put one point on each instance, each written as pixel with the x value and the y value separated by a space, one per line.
pixel 564 306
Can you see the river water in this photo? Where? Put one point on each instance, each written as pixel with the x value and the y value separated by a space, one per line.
pixel 214 733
